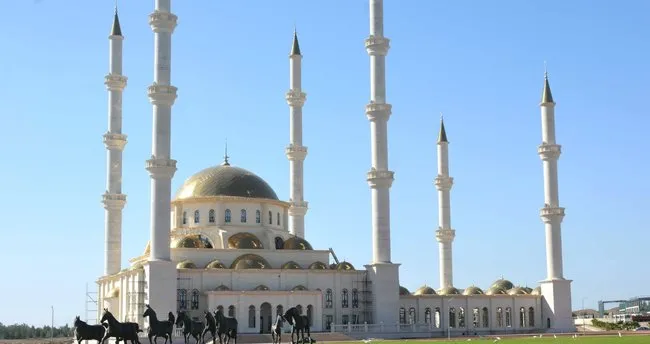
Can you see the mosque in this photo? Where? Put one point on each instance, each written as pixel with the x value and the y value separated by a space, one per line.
pixel 227 241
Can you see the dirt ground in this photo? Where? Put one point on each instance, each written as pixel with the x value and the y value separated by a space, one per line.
pixel 37 341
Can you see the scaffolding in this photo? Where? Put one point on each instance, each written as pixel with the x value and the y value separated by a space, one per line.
pixel 91 306
pixel 365 311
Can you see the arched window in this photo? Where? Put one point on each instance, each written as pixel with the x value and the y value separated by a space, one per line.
pixel 279 243
pixel 197 218
pixel 181 299
pixel 476 317
pixel 211 216
pixel 412 318
pixel 299 308
pixel 231 311
pixel 310 311
pixel 508 317
pixel 270 217
pixel 279 310
pixel 437 317
pixel 195 299
pixel 228 216
pixel 344 298
pixel 251 316
pixel 243 216
pixel 258 216
pixel 402 315
pixel 427 315
pixel 220 309
pixel 328 298
pixel 522 317
pixel 184 217
pixel 499 317
pixel 485 317
pixel 531 317
pixel 452 317
pixel 278 218
pixel 461 317
pixel 355 298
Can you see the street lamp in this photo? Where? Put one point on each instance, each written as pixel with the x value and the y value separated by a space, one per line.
pixel 52 326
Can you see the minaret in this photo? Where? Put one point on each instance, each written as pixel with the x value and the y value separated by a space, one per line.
pixel 161 167
pixel 555 289
pixel 113 199
pixel 384 274
pixel 296 152
pixel 445 234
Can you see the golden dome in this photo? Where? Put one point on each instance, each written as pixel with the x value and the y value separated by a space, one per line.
pixel 192 241
pixel 296 243
pixel 186 264
pixel 318 266
pixel 528 290
pixel 222 288
pixel 536 291
pixel 138 266
pixel 424 290
pixel 291 265
pixel 115 292
pixel 225 180
pixel 250 261
pixel 448 291
pixel 473 290
pixel 344 266
pixel 215 264
pixel 299 287
pixel 495 291
pixel 244 240
pixel 502 284
pixel 403 291
pixel 517 291
pixel 262 287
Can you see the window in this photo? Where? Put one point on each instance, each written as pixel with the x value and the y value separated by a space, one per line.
pixel 476 315
pixel 220 309
pixel 231 311
pixel 402 315
pixel 461 317
pixel 299 309
pixel 452 317
pixel 531 317
pixel 427 315
pixel 328 298
pixel 243 216
pixel 355 319
pixel 279 243
pixel 181 299
pixel 508 317
pixel 499 317
pixel 228 216
pixel 184 217
pixel 355 298
pixel 344 298
pixel 197 218
pixel 412 318
pixel 437 317
pixel 195 299
pixel 258 216
pixel 485 317
pixel 251 316
pixel 310 311
pixel 346 319
pixel 270 217
pixel 522 317
pixel 328 322
pixel 278 217
pixel 211 216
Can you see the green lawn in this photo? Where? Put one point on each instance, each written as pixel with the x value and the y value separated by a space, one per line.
pixel 546 338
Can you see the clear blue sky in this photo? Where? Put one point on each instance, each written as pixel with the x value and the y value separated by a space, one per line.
pixel 479 62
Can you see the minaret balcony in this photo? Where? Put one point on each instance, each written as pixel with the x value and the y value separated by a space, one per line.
pixel 296 98
pixel 380 178
pixel 378 112
pixel 298 208
pixel 162 94
pixel 113 201
pixel 115 82
pixel 294 152
pixel 114 141
pixel 161 168
pixel 548 151
pixel 162 21
pixel 443 182
pixel 445 235
pixel 550 213
pixel 376 45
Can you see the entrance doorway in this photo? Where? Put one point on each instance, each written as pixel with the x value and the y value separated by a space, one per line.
pixel 265 318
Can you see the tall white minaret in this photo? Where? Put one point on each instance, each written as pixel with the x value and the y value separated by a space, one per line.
pixel 113 199
pixel 382 272
pixel 555 289
pixel 445 234
pixel 296 152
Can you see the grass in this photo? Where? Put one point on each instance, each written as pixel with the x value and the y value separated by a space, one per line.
pixel 546 339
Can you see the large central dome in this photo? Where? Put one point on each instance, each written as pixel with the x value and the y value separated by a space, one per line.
pixel 225 180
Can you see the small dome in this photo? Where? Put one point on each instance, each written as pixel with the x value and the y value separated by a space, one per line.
pixel 222 288
pixel 244 240
pixel 425 290
pixel 297 243
pixel 215 264
pixel 192 241
pixel 528 290
pixel 473 290
pixel 344 266
pixel 115 292
pixel 536 291
pixel 495 291
pixel 299 288
pixel 503 284
pixel 448 291
pixel 318 266
pixel 517 291
pixel 225 180
pixel 403 291
pixel 333 266
pixel 291 265
pixel 186 264
pixel 262 287
pixel 250 261
pixel 138 266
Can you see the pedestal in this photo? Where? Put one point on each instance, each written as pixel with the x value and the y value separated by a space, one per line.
pixel 385 292
pixel 161 277
pixel 556 306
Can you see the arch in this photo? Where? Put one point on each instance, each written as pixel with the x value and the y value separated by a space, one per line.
pixel 231 311
pixel 244 240
pixel 228 216
pixel 197 216
pixel 412 317
pixel 242 217
pixel 402 315
pixel 266 317
pixel 462 317
pixel 344 298
pixel 251 316
pixel 270 217
pixel 485 317
pixel 427 315
pixel 220 309
pixel 310 312
pixel 279 310
pixel 279 243
pixel 452 317
pixel 476 317
pixel 508 317
pixel 278 218
pixel 299 308
pixel 548 322
pixel 258 216
pixel 499 317
pixel 211 216
pixel 436 317
pixel 522 317
pixel 355 298
pixel 181 299
pixel 531 317
pixel 195 299
pixel 184 217
pixel 328 298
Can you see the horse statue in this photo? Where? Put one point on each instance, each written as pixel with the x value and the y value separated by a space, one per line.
pixel 159 328
pixel 299 324
pixel 114 328
pixel 83 331
pixel 190 327
pixel 227 326
pixel 276 329
pixel 210 326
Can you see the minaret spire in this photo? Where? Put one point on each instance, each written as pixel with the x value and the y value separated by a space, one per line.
pixel 115 141
pixel 547 96
pixel 295 151
pixel 225 155
pixel 445 234
pixel 116 30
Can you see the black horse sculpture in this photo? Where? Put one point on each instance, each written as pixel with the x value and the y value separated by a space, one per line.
pixel 299 324
pixel 190 327
pixel 83 331
pixel 114 328
pixel 226 326
pixel 159 328
pixel 210 326
pixel 276 330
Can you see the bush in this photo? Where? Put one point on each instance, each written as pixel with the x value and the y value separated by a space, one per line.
pixel 618 326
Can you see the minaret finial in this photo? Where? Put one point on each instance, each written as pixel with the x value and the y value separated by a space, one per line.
pixel 442 136
pixel 547 96
pixel 295 48
pixel 225 156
